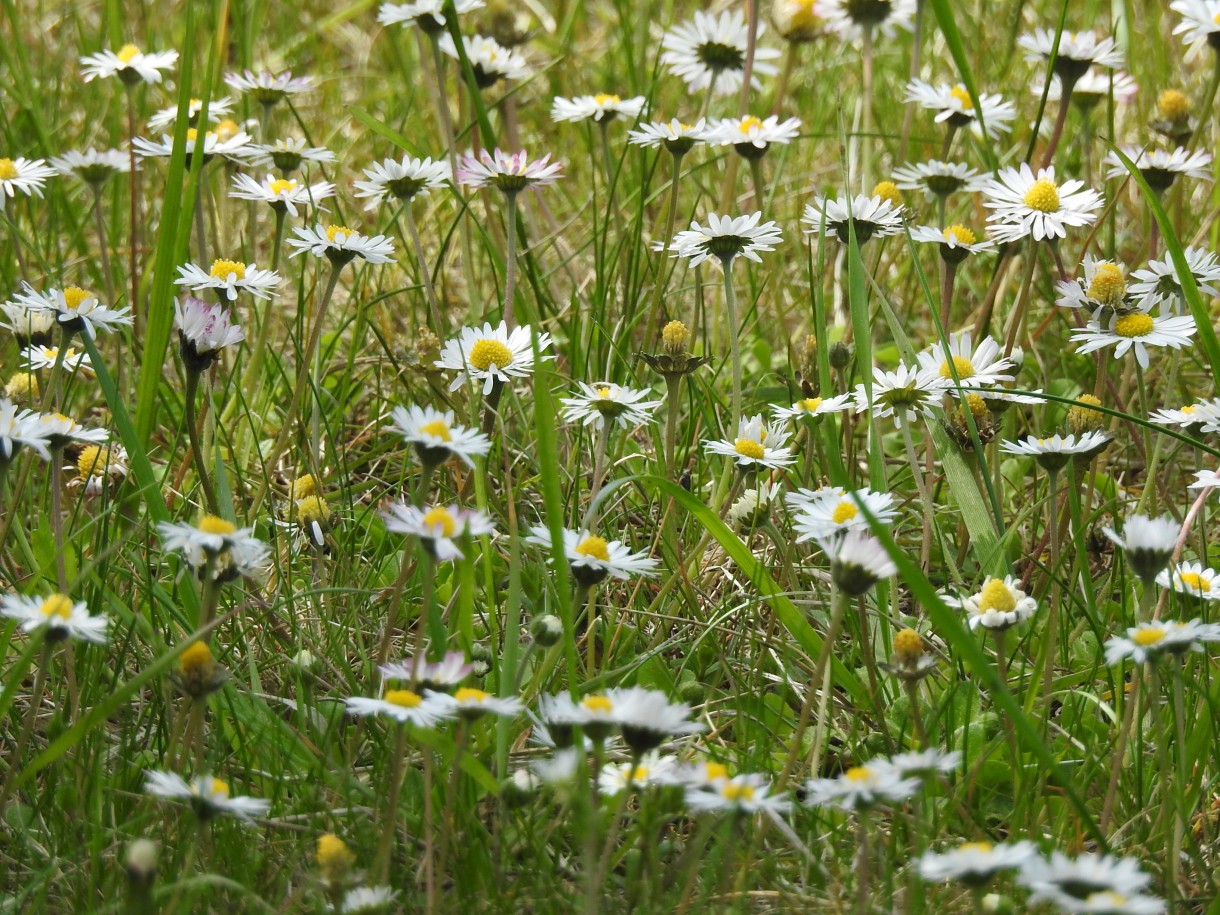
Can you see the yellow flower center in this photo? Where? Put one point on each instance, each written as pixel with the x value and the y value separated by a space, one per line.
pixel 438 428
pixel 196 662
pixel 810 404
pixel 1108 898
pixel 844 512
pixel 605 98
pixel 598 705
pixel 997 595
pixel 220 787
pixel 908 645
pixel 748 123
pixel 210 524
pixel 977 405
pixel 604 393
pixel 8 170
pixel 1189 409
pixel 226 129
pixel 888 190
pixel 470 694
pixel 714 770
pixel 963 97
pixel 74 296
pixel 1149 636
pixel 283 185
pixel 975 846
pixel 594 547
pixel 1173 105
pixel 747 447
pixel 961 235
pixel 963 366
pixel 128 53
pixel 1043 195
pixel 313 509
pixel 333 855
pixel 675 338
pixel 332 231
pixel 1216 19
pixel 93 460
pixel 737 792
pixel 303 486
pixel 223 269
pixel 857 774
pixel 486 353
pixel 192 134
pixel 1108 285
pixel 638 774
pixel 441 518
pixel 57 605
pixel 403 698
pixel 1194 580
pixel 1136 325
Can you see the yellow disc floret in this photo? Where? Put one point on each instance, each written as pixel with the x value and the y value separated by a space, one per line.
pixel 960 234
pixel 1194 580
pixel 606 98
pixel 598 705
pixel 59 605
pixel 748 447
pixel 1134 325
pixel 997 596
pixel 283 186
pixel 1108 285
pixel 8 169
pixel 403 698
pixel 714 770
pixel 303 486
pixel 810 404
pixel 594 548
pixel 74 297
pixel 845 511
pixel 313 509
pixel 675 338
pixel 976 846
pixel 210 524
pixel 733 791
pixel 128 53
pixel 908 645
pixel 963 366
pixel 333 231
pixel 1149 636
pixel 441 520
pixel 963 97
pixel 469 694
pixel 486 353
pixel 1173 105
pixel 859 774
pixel 888 190
pixel 437 428
pixel 333 856
pixel 1082 417
pixel 748 123
pixel 94 460
pixel 196 662
pixel 1043 196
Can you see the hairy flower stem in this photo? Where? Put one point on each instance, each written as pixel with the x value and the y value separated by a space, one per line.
pixel 1130 704
pixel 434 311
pixel 863 853
pixel 510 259
pixel 133 177
pixel 730 305
pixel 1067 84
pixel 1018 313
pixel 1052 608
pixel 192 431
pixel 103 246
pixel 925 496
pixel 449 814
pixel 864 166
pixel 665 268
pixel 386 846
pixel 27 725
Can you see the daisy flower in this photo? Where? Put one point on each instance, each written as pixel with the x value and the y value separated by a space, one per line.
pixel 20 427
pixel 1103 285
pixel 339 245
pixel 429 15
pixel 436 435
pixel 29 319
pixel 1200 21
pixel 1147 543
pixel 229 277
pixel 678 138
pixel 1205 479
pixel 1054 452
pixel 1191 578
pixel 601 107
pixel 797 20
pixel 748 793
pixel 647 718
pixel 605 400
pixel 939 179
pixel 61 431
pixel 975 367
pixel 45 357
pixel 437 527
pixel 999 604
pixel 510 172
pixel 98 467
pixel 954 105
pixel 1197 415
pixel 1077 52
pixel 651 770
pixel 268 88
pixel 217 109
pixel 204 329
pixel 129 64
pixel 593 558
pixel 1148 641
pixel 92 166
pixel 752 508
pixel 1079 878
pixel 927 763
pixel 75 310
pixel 593 714
pixel 904 394
pixel 974 863
pixel 1137 330
pixel 404 706
pixel 750 136
pixel 60 617
pixel 1158 284
pixel 758 446
pixel 215 541
pixel 438 676
pixel 367 900
pixel 851 18
pixel 1160 167
pixel 872 217
pixel 709 53
pixel 207 795
pixel 861 787
pixel 401 180
pixel 821 513
pixel 491 354
pixel 490 60
pixel 1108 902
pixel 235 148
pixel 472 704
pixel 812 406
pixel 857 561
pixel 22 175
pixel 956 242
pixel 281 194
pixel 1027 204
pixel 1096 84
pixel 912 658
pixel 726 237
pixel 289 154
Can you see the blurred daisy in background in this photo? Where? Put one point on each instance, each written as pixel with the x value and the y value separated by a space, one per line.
pixel 129 64
pixel 709 53
pixel 21 175
pixel 601 107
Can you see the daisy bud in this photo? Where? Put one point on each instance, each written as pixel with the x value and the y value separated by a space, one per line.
pixel 998 904
pixel 1081 419
pixel 888 191
pixel 480 651
pixel 427 349
pixel 304 659
pixel 691 692
pixel 547 630
pixel 23 386
pixel 517 790
pixel 911 659
pixel 507 23
pixel 840 355
pixel 675 338
pixel 140 862
pixel 334 858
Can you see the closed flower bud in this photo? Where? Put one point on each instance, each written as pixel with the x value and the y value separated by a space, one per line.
pixel 675 338
pixel 22 387
pixel 1081 419
pixel 547 630
pixel 140 861
pixel 840 356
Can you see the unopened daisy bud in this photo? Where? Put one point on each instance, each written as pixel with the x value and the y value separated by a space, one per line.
pixel 958 426
pixel 888 191
pixel 807 353
pixel 198 674
pixel 507 22
pixel 23 387
pixel 519 788
pixel 1017 358
pixel 998 904
pixel 481 651
pixel 1082 419
pixel 480 668
pixel 427 347
pixel 334 858
pixel 692 692
pixel 304 659
pixel 547 630
pixel 675 338
pixel 1173 105
pixel 796 21
pixel 140 862
pixel 840 355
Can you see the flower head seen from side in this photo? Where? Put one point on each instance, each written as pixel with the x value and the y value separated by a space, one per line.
pixel 953 105
pixel 1053 453
pixel 436 436
pixel 229 550
pixel 604 401
pixel 129 64
pixel 869 217
pixel 45 357
pixel 1097 85
pixel 751 136
pixel 282 194
pixel 98 468
pixel 21 175
pixel 207 795
pixel 1149 641
pixel 217 110
pixel 1135 331
pixel 797 21
pixel 850 19
pixel 405 179
pixel 510 172
pixel 998 605
pixel 725 238
pixel 20 428
pixel 974 864
pixel 1101 285
pixel 1160 167
pixel 821 513
pixel 368 900
pixel 647 718
pixel 861 787
pixel 759 445
pixel 905 394
pixel 594 714
pixel 935 178
pixel 75 310
pixel 676 136
pixel 1076 879
pixel 471 704
pixel 429 15
pixel 1029 204
pixel 58 616
pixel 593 558
pixel 340 245
pixel 809 407
pixel 92 166
pixel 233 145
pixel 489 355
pixel 1192 579
pixel 59 431
pixel 956 242
pixel 858 561
pixel 748 793
pixel 1158 283
pixel 268 88
pixel 752 509
pixel 1203 416
pixel 29 319
pixel 709 53
pixel 1200 21
pixel 441 676
pixel 928 763
pixel 1147 543
pixel 204 330
pixel 602 107
pixel 404 706
pixel 652 769
pixel 288 154
pixel 1071 54
pixel 960 361
pixel 489 59
pixel 437 526
pixel 229 278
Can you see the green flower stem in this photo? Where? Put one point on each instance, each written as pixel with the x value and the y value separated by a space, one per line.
pixel 103 246
pixel 434 311
pixel 666 267
pixel 863 854
pixel 1052 608
pixel 385 847
pixel 925 495
pixel 27 724
pixel 57 517
pixel 730 305
pixel 1130 704
pixel 197 451
pixel 510 260
pixel 1018 313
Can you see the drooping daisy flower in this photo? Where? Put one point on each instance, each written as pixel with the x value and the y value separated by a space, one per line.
pixel 217 109
pixel 510 172
pixel 1103 285
pixel 1191 578
pixel 593 558
pixel 725 238
pixel 20 427
pixel 1079 878
pixel 975 367
pixel 368 900
pixel 747 793
pixel 1158 284
pixel 60 617
pixel 861 787
pixel 488 355
pixel 752 508
pixel 1138 331
pixel 605 400
pixel 26 176
pixel 812 406
pixel 29 320
pixel 98 468
pixel 652 769
pixel 93 166
pixel 677 138
pixel 872 217
pixel 436 435
pixel 758 446
pixel 339 244
pixel 851 18
pixel 204 329
pixel 1147 543
pixel 268 88
pixel 235 148
pixel 429 15
pixel 489 59
pixel 438 676
pixel 819 514
pixel 207 795
pixel 401 180
pixel 437 526
pixel 76 310
pixel 45 357
pixel 230 550
pixel 999 604
pixel 939 179
pixel 974 863
pixel 905 394
pixel 289 154
pixel 230 277
pixel 1028 204
pixel 601 107
pixel 955 242
pixel 1054 452
pixel 954 105
pixel 797 21
pixel 130 64
pixel 751 136
pixel 857 561
pixel 1160 167
pixel 1077 52
pixel 281 194
pixel 709 53
pixel 1200 21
